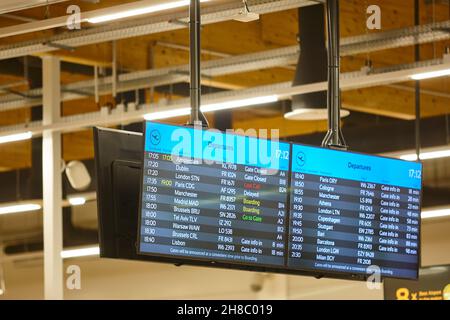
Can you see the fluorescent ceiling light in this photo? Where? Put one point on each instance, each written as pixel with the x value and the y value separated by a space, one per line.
pixel 77 201
pixel 427 155
pixel 305 114
pixel 82 252
pixel 430 75
pixel 435 213
pixel 167 114
pixel 158 115
pixel 20 208
pixel 140 11
pixel 239 103
pixel 16 137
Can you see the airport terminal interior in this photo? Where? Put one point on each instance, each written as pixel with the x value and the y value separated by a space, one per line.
pixel 93 92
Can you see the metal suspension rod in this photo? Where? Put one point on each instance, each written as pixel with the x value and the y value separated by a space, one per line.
pixel 195 88
pixel 417 84
pixel 334 137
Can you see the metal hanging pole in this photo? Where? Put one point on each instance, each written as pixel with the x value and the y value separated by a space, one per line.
pixel 417 84
pixel 114 69
pixel 334 137
pixel 197 117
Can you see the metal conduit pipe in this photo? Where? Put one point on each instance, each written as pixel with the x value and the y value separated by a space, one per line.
pixel 197 118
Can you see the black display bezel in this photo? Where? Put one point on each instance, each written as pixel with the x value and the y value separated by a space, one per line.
pixel 195 261
pixel 419 254
pixel 238 265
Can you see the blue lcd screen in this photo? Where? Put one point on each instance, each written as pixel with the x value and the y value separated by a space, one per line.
pixel 218 197
pixel 354 213
pixel 214 196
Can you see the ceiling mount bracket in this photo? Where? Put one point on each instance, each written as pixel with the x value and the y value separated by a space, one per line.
pixel 334 138
pixel 197 117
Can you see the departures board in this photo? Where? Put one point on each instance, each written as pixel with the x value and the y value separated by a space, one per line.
pixel 234 200
pixel 351 211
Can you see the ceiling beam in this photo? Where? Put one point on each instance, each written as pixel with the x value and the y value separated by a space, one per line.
pixel 17 5
pixel 394 102
pixel 144 26
pixel 350 81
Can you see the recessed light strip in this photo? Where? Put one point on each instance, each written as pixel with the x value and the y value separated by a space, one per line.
pixel 171 113
pixel 427 155
pixel 140 11
pixel 26 207
pixel 232 104
pixel 81 252
pixel 16 137
pixel 77 201
pixel 239 103
pixel 435 213
pixel 431 75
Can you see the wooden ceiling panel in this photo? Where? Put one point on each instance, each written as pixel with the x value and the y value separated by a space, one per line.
pixel 81 106
pixel 12 117
pixel 280 28
pixel 16 155
pixel 394 103
pixel 259 78
pixel 78 145
pixel 286 128
pixel 234 38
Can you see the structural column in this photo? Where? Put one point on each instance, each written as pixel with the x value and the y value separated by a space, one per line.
pixel 52 181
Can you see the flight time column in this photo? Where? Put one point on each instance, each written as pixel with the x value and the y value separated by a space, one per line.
pixel 296 239
pixel 150 196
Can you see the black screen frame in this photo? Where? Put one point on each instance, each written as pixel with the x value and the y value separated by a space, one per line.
pixel 185 260
pixel 419 254
pixel 319 273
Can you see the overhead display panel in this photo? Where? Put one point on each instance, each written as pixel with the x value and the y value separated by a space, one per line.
pixel 351 211
pixel 228 200
pixel 214 196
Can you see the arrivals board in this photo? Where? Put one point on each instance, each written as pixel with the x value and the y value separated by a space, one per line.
pixel 212 196
pixel 351 211
pixel 220 198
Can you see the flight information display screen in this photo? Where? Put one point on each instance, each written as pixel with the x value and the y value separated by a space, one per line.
pixel 222 198
pixel 214 196
pixel 350 211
